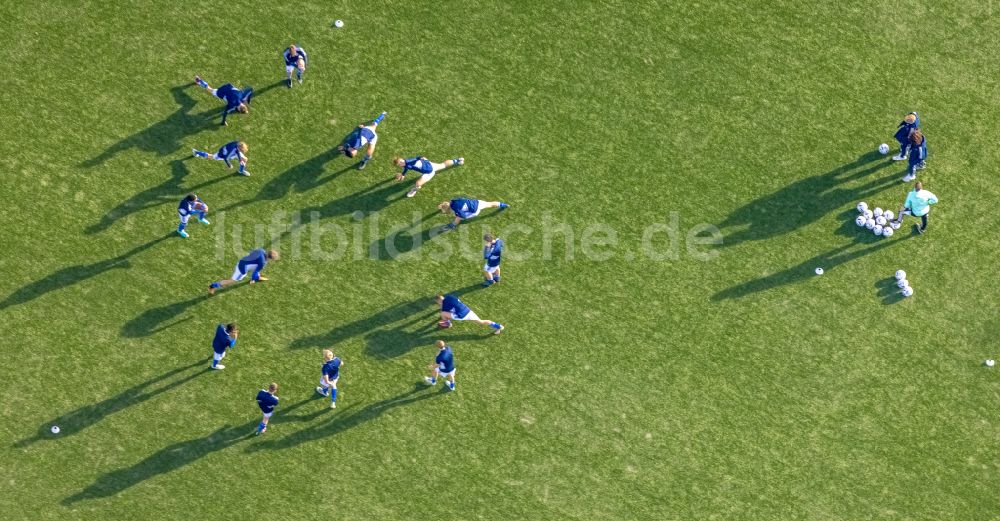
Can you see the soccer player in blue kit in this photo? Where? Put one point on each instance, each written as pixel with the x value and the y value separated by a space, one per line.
pixel 363 136
pixel 491 253
pixel 906 127
pixel 252 264
pixel 443 366
pixel 296 60
pixel 329 376
pixel 232 151
pixel 225 339
pixel 425 167
pixel 467 209
pixel 236 100
pixel 267 401
pixel 191 205
pixel 454 309
pixel 918 155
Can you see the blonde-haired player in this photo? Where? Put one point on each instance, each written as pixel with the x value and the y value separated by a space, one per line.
pixel 296 60
pixel 329 376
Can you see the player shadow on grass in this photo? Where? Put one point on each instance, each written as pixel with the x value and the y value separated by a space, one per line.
pixel 804 201
pixel 805 270
pixel 348 418
pixel 88 415
pixel 169 191
pixel 71 275
pixel 419 310
pixel 154 320
pixel 167 459
pixel 401 240
pixel 302 177
pixel 163 137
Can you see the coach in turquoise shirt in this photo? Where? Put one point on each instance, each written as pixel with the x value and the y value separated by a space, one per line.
pixel 918 204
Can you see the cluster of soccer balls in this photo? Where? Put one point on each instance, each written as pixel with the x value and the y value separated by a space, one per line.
pixel 879 221
pixel 903 284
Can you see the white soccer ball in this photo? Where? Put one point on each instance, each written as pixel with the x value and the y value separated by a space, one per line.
pixel 55 429
pixel 819 271
pixel 907 291
pixel 895 225
pixel 338 24
pixel 869 223
pixel 877 229
pixel 868 214
pixel 887 231
pixel 877 212
pixel 883 149
pixel 880 220
pixel 990 362
pixel 900 274
pixel 862 206
pixel 902 283
pixel 888 215
pixel 860 220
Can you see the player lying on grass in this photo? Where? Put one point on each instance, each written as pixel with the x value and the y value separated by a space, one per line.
pixel 236 100
pixel 467 209
pixel 191 205
pixel 443 366
pixel 329 375
pixel 452 308
pixel 234 150
pixel 252 264
pixel 225 339
pixel 491 253
pixel 296 60
pixel 906 127
pixel 425 167
pixel 361 137
pixel 267 401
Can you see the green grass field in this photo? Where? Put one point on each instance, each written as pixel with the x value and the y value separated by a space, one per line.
pixel 671 381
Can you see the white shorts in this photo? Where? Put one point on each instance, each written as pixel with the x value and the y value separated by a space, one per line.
pixel 268 414
pixel 325 385
pixel 238 275
pixel 471 315
pixel 289 69
pixel 482 204
pixel 184 217
pixel 435 168
pixel 218 356
pixel 491 269
pixel 444 374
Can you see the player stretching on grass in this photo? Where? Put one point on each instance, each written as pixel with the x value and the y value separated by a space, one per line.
pixel 234 150
pixel 454 309
pixel 330 375
pixel 296 60
pixel 253 264
pixel 492 252
pixel 426 168
pixel 225 339
pixel 467 209
pixel 444 366
pixel 267 401
pixel 191 205
pixel 360 137
pixel 236 100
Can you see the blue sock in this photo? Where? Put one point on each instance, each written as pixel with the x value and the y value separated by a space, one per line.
pixel 214 362
pixel 496 278
pixel 434 380
pixel 299 74
pixel 494 325
pixel 333 395
pixel 199 153
pixel 379 118
pixel 261 426
pixel 503 206
pixel 180 227
pixel 215 285
pixel 243 168
pixel 203 84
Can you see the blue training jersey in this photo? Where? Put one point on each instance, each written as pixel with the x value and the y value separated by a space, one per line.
pixel 360 137
pixel 456 307
pixel 464 208
pixel 186 206
pixel 332 368
pixel 222 340
pixel 918 153
pixel 904 130
pixel 292 60
pixel 266 401
pixel 417 164
pixel 230 151
pixel 445 360
pixel 230 94
pixel 256 258
pixel 492 252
